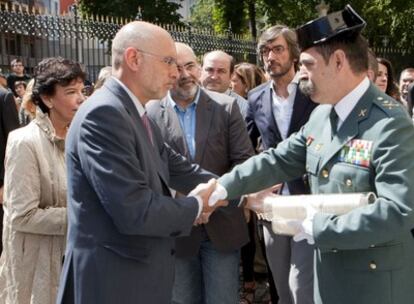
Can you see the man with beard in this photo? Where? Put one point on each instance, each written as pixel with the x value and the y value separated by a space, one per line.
pixel 208 129
pixel 276 110
pixel 358 140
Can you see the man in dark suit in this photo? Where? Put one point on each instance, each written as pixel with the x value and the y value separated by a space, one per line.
pixel 276 110
pixel 207 128
pixel 122 219
pixel 8 122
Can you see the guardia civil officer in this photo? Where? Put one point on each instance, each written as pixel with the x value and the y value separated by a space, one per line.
pixel 357 140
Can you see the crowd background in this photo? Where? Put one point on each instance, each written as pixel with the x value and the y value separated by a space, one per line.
pixel 240 79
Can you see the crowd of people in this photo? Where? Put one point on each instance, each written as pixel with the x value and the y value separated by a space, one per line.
pixel 145 191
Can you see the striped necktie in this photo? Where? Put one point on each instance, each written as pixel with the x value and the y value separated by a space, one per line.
pixel 147 126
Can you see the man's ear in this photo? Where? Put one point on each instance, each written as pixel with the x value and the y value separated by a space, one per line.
pixel 133 58
pixel 339 59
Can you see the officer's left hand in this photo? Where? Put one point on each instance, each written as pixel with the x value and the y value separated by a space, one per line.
pixel 305 228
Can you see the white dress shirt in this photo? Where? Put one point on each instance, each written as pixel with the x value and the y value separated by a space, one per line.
pixel 345 106
pixel 282 111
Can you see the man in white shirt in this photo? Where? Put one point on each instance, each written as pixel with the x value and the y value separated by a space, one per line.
pixel 276 110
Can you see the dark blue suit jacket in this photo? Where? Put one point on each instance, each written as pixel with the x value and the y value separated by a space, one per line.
pixel 122 220
pixel 262 123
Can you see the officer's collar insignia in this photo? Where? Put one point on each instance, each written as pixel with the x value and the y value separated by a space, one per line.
pixel 362 113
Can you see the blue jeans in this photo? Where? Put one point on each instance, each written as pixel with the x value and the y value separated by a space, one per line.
pixel 211 277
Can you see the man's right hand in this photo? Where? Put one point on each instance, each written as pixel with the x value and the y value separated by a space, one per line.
pixel 204 191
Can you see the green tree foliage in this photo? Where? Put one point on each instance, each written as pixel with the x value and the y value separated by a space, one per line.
pixel 202 15
pixel 158 11
pixel 387 20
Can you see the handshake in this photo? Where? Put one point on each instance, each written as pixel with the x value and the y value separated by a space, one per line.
pixel 214 195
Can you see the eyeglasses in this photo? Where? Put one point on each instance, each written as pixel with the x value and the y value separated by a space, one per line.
pixel 277 50
pixel 170 61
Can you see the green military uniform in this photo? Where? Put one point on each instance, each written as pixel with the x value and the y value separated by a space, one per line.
pixel 367 255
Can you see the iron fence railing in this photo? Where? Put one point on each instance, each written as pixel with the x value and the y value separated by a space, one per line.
pixel 32 36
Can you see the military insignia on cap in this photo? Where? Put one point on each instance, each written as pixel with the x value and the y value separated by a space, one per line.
pixel 357 152
pixel 309 140
pixel 345 23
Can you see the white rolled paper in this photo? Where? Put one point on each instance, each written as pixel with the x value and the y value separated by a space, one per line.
pixel 284 210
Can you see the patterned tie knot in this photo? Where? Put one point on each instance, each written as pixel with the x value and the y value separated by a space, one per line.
pixel 147 125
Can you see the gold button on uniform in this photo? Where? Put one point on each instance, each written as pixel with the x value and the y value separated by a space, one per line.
pixel 348 182
pixel 372 265
pixel 325 173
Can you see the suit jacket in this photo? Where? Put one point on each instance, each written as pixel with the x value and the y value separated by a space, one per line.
pixel 221 143
pixel 122 221
pixel 366 255
pixel 262 123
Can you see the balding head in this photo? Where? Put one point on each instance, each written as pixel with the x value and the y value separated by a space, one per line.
pixel 216 71
pixel 220 56
pixel 144 59
pixel 186 87
pixel 183 48
pixel 138 34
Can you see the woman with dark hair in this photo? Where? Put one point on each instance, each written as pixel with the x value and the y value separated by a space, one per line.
pixel 385 78
pixel 35 188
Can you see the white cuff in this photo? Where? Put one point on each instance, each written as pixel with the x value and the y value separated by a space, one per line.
pixel 200 205
pixel 220 193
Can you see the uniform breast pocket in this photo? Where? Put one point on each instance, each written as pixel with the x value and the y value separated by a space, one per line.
pixel 381 258
pixel 312 166
pixel 351 178
pixel 312 163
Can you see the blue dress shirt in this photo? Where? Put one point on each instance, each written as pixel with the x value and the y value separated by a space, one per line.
pixel 187 118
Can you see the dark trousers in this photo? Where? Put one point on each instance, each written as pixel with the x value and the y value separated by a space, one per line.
pixel 272 287
pixel 248 252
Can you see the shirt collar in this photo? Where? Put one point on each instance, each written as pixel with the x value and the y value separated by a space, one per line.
pixel 344 107
pixel 292 86
pixel 174 104
pixel 137 103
